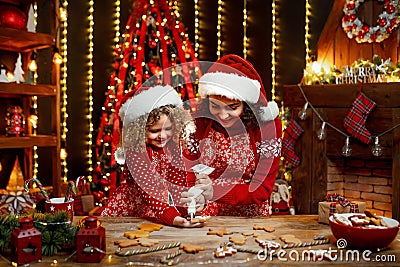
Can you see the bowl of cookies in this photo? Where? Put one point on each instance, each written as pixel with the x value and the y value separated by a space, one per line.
pixel 363 230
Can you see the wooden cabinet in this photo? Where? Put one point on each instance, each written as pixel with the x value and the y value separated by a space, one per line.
pixel 24 42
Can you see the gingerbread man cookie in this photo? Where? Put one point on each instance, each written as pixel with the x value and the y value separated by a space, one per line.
pixel 136 234
pixel 238 239
pixel 150 227
pixel 219 231
pixel 265 227
pixel 191 248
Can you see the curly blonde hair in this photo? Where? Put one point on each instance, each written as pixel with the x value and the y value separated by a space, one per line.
pixel 134 134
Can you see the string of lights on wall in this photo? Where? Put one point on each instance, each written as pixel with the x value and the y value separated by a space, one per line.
pixel 63 86
pixel 274 50
pixel 117 20
pixel 245 43
pixel 219 27
pixel 90 87
pixel 376 149
pixel 196 28
pixel 33 118
pixel 307 32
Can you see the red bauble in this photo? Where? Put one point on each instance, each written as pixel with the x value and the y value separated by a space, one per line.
pixel 350 6
pixel 373 37
pixel 365 28
pixel 382 22
pixel 12 17
pixel 152 43
pixel 390 9
pixel 104 182
pixel 393 21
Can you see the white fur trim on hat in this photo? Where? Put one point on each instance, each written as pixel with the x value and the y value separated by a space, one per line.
pixel 144 102
pixel 270 112
pixel 231 85
pixel 119 156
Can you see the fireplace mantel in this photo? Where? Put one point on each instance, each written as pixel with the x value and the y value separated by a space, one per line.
pixel 333 102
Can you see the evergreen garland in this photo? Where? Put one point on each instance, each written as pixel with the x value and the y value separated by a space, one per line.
pixel 8 223
pixel 57 232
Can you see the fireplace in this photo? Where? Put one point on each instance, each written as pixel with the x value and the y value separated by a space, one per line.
pixel 361 176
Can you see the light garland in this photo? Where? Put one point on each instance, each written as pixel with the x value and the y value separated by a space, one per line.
pixel 274 49
pixel 35 164
pixel 90 88
pixel 196 28
pixel 387 22
pixel 219 28
pixel 245 43
pixel 321 134
pixel 64 88
pixel 307 31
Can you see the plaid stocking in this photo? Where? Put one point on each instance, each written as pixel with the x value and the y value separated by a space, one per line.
pixel 354 123
pixel 292 133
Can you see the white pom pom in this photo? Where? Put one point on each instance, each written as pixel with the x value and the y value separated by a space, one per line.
pixel 119 155
pixel 270 112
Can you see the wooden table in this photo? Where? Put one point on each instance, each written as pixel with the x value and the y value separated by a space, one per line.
pixel 304 227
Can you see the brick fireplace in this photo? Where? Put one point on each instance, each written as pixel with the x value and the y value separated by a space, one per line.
pixel 323 169
pixel 369 181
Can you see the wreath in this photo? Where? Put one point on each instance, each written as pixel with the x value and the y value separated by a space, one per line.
pixel 387 22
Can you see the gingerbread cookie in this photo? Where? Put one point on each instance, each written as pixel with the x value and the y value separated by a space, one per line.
pixel 265 227
pixel 150 227
pixel 289 239
pixel 147 242
pixel 136 234
pixel 190 248
pixel 250 233
pixel 224 251
pixel 219 231
pixel 237 239
pixel 200 219
pixel 126 243
pixel 264 236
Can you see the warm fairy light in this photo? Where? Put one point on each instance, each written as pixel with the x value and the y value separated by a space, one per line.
pixel 219 22
pixel 196 28
pixel 274 49
pixel 90 88
pixel 245 44
pixel 63 87
pixel 34 107
pixel 117 16
pixel 307 31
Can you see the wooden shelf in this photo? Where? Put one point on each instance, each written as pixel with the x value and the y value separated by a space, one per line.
pixel 23 41
pixel 16 90
pixel 28 141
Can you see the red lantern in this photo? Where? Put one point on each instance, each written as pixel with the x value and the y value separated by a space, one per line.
pixel 12 17
pixel 91 241
pixel 26 243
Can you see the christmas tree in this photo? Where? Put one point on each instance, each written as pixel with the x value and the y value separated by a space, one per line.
pixel 153 44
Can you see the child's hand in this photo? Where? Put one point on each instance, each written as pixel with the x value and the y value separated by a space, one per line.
pixel 204 182
pixel 182 222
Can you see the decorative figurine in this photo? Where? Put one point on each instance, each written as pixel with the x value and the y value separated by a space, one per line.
pixel 15 121
pixel 26 243
pixel 91 241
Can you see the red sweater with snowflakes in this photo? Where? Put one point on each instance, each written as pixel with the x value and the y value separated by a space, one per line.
pixel 154 182
pixel 246 161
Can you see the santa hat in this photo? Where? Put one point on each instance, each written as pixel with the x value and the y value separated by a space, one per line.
pixel 141 102
pixel 235 78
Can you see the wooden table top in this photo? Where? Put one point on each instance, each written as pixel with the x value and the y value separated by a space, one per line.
pixel 304 227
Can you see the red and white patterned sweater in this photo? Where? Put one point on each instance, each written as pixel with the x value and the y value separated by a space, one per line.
pixel 153 179
pixel 246 164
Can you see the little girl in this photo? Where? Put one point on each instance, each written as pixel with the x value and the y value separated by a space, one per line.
pixel 154 123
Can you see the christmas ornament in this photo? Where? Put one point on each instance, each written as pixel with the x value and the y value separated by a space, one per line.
pixel 346 149
pixel 12 17
pixel 15 121
pixel 354 123
pixel 91 241
pixel 18 71
pixel 292 133
pixel 26 243
pixel 387 22
pixel 377 149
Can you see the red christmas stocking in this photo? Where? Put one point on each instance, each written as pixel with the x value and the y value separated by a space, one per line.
pixel 292 133
pixel 354 123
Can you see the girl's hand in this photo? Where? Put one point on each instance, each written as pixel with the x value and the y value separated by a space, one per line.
pixel 182 222
pixel 204 182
